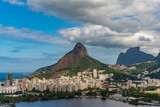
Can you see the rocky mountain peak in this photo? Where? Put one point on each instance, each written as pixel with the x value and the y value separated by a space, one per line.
pixel 79 46
pixel 79 50
pixel 77 54
pixel 133 55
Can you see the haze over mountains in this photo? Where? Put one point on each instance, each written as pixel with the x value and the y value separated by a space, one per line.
pixel 133 55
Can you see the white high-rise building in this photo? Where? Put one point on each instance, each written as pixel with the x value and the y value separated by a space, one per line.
pixel 95 73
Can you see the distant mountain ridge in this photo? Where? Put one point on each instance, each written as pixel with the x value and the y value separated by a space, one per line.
pixel 132 56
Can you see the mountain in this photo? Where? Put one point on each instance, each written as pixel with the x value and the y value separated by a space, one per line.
pixel 153 66
pixel 87 63
pixel 133 55
pixel 157 57
pixel 75 61
pixel 77 54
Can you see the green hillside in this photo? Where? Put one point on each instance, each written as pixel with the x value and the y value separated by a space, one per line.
pixel 86 63
pixel 154 75
pixel 141 67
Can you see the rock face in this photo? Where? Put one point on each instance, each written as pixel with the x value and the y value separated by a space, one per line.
pixel 77 54
pixel 132 56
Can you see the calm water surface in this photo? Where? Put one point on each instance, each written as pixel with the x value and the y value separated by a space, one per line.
pixel 79 102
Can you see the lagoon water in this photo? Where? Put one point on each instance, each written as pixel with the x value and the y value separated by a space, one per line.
pixel 77 102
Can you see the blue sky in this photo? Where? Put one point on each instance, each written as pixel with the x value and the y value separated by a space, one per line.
pixel 21 17
pixel 13 50
pixel 36 33
pixel 26 55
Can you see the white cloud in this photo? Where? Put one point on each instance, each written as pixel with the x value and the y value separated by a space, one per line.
pixel 15 2
pixel 25 33
pixel 119 15
pixel 113 23
pixel 99 35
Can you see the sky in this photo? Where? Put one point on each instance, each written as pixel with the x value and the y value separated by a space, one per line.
pixel 37 33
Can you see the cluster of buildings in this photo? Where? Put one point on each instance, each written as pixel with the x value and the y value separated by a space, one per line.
pixel 83 80
pixel 117 86
pixel 155 71
pixel 143 83
pixel 121 67
pixel 7 86
pixel 144 74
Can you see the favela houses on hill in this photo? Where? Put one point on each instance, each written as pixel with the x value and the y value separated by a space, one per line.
pixel 79 53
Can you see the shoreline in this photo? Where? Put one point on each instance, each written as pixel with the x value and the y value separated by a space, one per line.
pixel 89 97
pixel 92 97
pixel 88 93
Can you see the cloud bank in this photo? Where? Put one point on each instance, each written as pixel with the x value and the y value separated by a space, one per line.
pixel 107 23
pixel 98 35
pixel 25 33
pixel 119 15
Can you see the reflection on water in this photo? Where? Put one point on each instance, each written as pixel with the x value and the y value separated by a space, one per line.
pixel 79 102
